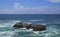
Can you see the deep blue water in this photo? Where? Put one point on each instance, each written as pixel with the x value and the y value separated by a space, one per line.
pixel 52 21
pixel 28 16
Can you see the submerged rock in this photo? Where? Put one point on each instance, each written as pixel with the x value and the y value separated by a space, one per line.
pixel 30 26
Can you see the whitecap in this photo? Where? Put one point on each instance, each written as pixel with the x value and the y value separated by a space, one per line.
pixel 2 26
pixel 7 33
pixel 34 20
pixel 41 23
pixel 36 32
pixel 17 21
pixel 24 28
pixel 8 24
pixel 5 36
pixel 37 20
pixel 30 29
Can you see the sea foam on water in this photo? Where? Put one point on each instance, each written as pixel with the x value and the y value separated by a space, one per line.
pixel 51 31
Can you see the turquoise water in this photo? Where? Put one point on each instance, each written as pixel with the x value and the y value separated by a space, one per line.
pixel 51 21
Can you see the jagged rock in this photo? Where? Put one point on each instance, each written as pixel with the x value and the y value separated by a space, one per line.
pixel 30 26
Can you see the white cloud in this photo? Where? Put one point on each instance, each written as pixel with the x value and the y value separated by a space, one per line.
pixel 54 1
pixel 19 9
pixel 18 5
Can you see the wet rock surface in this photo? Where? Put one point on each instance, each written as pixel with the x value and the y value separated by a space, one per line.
pixel 30 26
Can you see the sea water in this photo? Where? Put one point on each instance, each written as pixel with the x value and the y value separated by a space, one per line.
pixel 52 21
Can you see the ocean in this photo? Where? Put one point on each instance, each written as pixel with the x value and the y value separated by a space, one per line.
pixel 52 21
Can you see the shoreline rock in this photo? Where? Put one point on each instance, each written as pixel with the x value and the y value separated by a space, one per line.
pixel 30 26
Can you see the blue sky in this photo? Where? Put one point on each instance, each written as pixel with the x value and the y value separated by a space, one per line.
pixel 29 6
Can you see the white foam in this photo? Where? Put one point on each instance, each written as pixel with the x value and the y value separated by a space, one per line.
pixel 6 25
pixel 34 20
pixel 36 32
pixel 17 21
pixel 47 35
pixel 37 20
pixel 2 26
pixel 7 33
pixel 14 22
pixel 24 28
pixel 51 30
pixel 9 24
pixel 5 36
pixel 30 29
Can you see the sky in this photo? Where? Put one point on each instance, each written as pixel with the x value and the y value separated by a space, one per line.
pixel 29 6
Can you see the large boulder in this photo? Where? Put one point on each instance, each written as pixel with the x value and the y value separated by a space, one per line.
pixel 30 26
pixel 18 25
pixel 39 28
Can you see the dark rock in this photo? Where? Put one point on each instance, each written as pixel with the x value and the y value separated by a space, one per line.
pixel 18 25
pixel 39 28
pixel 29 26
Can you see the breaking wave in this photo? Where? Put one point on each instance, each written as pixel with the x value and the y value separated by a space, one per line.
pixel 7 30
